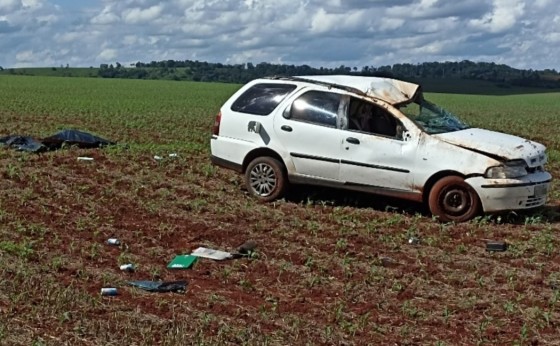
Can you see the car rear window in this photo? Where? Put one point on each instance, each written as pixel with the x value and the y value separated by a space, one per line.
pixel 261 99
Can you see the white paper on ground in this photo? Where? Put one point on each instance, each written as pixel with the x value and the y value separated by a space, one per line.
pixel 210 253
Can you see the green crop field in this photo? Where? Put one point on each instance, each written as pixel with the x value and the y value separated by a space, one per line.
pixel 329 267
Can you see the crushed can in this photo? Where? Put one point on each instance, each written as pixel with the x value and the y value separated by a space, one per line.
pixel 109 291
pixel 113 241
pixel 129 267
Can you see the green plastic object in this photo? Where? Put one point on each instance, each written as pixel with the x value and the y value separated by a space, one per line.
pixel 182 262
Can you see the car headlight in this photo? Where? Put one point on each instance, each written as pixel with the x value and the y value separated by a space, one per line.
pixel 508 170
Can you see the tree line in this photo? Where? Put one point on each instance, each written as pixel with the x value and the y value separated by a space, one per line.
pixel 242 73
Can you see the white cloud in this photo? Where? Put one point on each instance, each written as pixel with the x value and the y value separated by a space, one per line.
pixel 25 56
pixel 313 32
pixel 9 5
pixel 106 17
pixel 503 17
pixel 324 22
pixel 32 3
pixel 138 15
pixel 108 54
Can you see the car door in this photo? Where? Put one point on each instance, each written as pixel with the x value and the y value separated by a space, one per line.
pixel 307 129
pixel 374 152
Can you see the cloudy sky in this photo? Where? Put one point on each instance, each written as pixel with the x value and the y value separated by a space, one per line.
pixel 520 33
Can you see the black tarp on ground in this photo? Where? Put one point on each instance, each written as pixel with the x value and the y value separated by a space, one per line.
pixel 75 137
pixel 23 143
pixel 65 137
pixel 159 286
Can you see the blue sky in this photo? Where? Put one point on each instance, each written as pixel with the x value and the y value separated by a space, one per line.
pixel 520 33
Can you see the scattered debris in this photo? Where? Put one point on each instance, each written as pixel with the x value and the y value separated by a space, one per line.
pixel 109 291
pixel 129 267
pixel 158 158
pixel 160 286
pixel 246 249
pixel 211 253
pixel 182 262
pixel 65 137
pixel 496 245
pixel 84 158
pixel 173 155
pixel 113 241
pixel 413 240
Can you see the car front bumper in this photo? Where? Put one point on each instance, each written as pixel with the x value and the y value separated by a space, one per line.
pixel 512 194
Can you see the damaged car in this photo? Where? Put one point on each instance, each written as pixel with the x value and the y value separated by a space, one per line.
pixel 376 135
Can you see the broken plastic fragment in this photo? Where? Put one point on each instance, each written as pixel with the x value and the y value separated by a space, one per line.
pixel 160 286
pixel 210 253
pixel 182 262
pixel 496 245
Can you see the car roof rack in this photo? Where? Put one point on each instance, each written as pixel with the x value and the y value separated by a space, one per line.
pixel 312 81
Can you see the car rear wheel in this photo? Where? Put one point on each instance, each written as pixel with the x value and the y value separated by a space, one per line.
pixel 265 178
pixel 452 199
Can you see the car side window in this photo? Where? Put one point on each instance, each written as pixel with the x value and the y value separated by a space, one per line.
pixel 316 107
pixel 262 99
pixel 367 117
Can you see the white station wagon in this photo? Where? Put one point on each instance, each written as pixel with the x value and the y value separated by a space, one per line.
pixel 376 135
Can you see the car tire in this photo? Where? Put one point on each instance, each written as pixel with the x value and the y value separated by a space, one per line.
pixel 452 199
pixel 265 178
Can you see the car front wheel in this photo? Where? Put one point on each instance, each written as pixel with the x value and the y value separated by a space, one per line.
pixel 265 178
pixel 452 199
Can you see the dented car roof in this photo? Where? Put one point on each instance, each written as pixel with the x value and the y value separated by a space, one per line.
pixel 390 90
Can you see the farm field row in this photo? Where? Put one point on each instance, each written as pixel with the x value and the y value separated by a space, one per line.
pixel 329 268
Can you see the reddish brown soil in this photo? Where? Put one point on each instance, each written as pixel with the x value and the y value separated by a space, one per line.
pixel 331 271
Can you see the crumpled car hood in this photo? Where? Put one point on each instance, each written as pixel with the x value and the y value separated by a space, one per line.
pixel 390 90
pixel 497 144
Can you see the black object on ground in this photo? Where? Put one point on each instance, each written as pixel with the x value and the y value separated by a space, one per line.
pixel 65 137
pixel 245 250
pixel 75 137
pixel 23 143
pixel 160 286
pixel 496 245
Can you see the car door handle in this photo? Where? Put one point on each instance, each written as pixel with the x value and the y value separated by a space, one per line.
pixel 286 128
pixel 353 140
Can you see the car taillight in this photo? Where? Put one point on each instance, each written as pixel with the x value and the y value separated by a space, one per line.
pixel 216 127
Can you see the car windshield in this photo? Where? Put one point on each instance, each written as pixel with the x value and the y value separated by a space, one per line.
pixel 432 118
